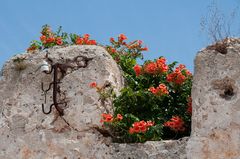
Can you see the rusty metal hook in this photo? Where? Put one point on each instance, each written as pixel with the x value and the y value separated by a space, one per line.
pixel 60 110
pixel 62 69
pixel 56 90
pixel 50 109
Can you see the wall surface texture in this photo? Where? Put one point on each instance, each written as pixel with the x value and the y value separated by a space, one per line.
pixel 27 133
pixel 216 103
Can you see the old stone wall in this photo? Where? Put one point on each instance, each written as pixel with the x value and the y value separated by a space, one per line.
pixel 28 133
pixel 216 103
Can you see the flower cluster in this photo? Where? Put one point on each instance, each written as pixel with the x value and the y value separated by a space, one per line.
pixel 140 127
pixel 151 67
pixel 111 50
pixel 33 46
pixel 120 41
pixel 160 90
pixel 121 38
pixel 138 105
pixel 84 40
pixel 49 39
pixel 108 118
pixel 153 76
pixel 137 45
pixel 137 69
pixel 161 64
pixel 179 75
pixel 175 123
pixel 121 49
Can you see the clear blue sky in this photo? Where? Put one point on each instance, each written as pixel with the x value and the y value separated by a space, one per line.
pixel 169 28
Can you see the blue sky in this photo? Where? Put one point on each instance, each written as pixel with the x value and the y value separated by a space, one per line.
pixel 168 28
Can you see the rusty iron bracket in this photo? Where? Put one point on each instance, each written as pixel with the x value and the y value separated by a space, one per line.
pixel 59 71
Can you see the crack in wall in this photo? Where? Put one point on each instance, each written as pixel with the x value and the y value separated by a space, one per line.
pixel 102 131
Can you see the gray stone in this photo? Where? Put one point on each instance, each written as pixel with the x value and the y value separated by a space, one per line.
pixel 169 149
pixel 216 103
pixel 28 133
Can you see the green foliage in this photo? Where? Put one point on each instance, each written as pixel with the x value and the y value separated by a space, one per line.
pixel 137 102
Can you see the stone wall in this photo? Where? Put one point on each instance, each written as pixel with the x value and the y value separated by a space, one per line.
pixel 216 103
pixel 27 133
